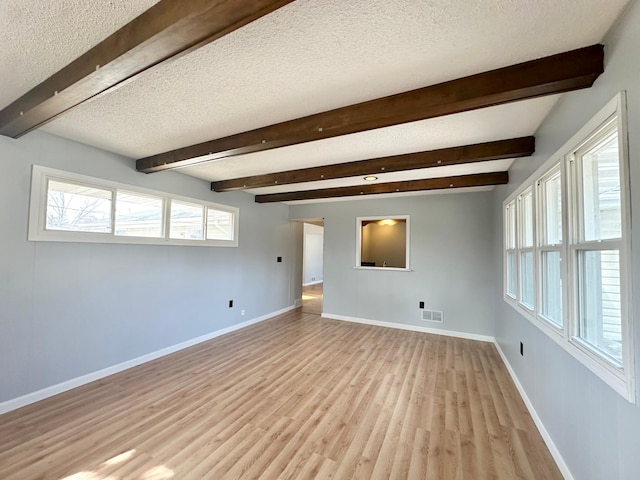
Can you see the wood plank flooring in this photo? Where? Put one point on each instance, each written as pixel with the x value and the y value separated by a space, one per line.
pixel 312 298
pixel 294 397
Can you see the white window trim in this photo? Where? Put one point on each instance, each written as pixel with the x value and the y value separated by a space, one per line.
pixel 164 225
pixel 507 249
pixel 521 248
pixel 542 246
pixel 621 380
pixel 38 213
pixel 359 221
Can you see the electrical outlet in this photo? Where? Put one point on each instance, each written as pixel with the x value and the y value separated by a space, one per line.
pixel 421 304
pixel 242 312
pixel 521 349
pixel 279 259
pixel 230 303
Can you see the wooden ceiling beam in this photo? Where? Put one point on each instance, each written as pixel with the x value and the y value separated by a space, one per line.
pixel 166 31
pixel 481 152
pixel 546 76
pixel 476 180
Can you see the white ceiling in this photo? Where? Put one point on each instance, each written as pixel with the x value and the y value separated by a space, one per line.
pixel 495 123
pixel 310 56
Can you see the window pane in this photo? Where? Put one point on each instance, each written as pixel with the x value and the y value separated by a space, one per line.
pixel 526 217
pixel 138 215
pixel 78 208
pixel 552 210
pixel 383 242
pixel 219 225
pixel 526 279
pixel 600 322
pixel 511 225
pixel 511 274
pixel 187 221
pixel 551 294
pixel 601 190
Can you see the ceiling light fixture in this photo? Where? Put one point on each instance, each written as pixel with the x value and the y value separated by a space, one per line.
pixel 370 178
pixel 387 222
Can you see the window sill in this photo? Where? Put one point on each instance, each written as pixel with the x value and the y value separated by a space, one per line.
pixel 608 373
pixel 392 269
pixel 106 238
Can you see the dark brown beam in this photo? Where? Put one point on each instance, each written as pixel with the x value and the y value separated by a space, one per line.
pixel 550 75
pixel 481 152
pixel 476 180
pixel 166 31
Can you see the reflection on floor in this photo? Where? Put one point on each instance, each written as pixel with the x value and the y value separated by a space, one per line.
pixel 312 298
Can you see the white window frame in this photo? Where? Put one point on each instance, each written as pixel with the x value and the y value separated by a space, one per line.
pixel 522 249
pixel 544 247
pixel 163 223
pixel 509 247
pixel 579 244
pixel 184 203
pixel 622 380
pixel 38 212
pixel 359 221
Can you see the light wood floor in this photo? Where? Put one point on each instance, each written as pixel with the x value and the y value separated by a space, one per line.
pixel 296 396
pixel 312 298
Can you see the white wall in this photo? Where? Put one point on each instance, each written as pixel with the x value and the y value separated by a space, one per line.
pixel 596 430
pixel 313 254
pixel 68 309
pixel 451 249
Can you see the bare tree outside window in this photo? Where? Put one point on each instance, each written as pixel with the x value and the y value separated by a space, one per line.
pixel 78 208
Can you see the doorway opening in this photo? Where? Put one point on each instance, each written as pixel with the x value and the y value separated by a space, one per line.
pixel 312 266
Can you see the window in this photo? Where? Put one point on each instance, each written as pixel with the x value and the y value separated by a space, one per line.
pixel 525 203
pixel 67 207
pixel 597 244
pixel 566 249
pixel 511 264
pixel 549 194
pixel 220 225
pixel 382 242
pixel 187 220
pixel 139 215
pixel 78 208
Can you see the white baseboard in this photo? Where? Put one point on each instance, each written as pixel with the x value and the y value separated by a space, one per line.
pixel 564 469
pixel 47 392
pixel 415 328
pixel 312 283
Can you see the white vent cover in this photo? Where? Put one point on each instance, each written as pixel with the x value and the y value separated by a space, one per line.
pixel 432 316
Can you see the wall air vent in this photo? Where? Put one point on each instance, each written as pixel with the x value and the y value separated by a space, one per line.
pixel 432 316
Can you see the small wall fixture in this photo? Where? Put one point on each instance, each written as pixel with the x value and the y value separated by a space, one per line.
pixel 370 178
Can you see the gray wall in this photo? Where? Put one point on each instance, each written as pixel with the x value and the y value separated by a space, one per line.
pixel 596 430
pixel 450 256
pixel 67 309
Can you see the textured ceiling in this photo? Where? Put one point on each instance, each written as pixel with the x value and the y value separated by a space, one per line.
pixel 495 123
pixel 307 57
pixel 39 37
